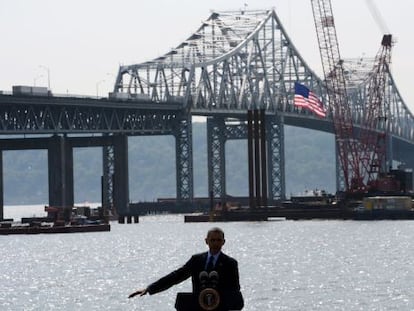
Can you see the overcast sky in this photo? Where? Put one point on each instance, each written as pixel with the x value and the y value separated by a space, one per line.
pixel 82 42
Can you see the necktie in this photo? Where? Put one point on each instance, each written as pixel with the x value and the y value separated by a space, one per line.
pixel 210 264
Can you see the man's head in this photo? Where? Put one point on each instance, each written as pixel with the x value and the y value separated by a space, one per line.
pixel 215 240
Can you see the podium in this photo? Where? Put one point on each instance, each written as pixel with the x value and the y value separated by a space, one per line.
pixel 186 302
pixel 209 298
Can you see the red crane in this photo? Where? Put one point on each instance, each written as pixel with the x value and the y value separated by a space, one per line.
pixel 373 134
pixel 361 152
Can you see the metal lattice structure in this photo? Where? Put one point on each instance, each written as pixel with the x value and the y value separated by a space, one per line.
pixel 74 115
pixel 108 177
pixel 184 158
pixel 235 61
pixel 374 143
pixel 332 63
pixel 362 152
pixel 245 60
pixel 216 138
pixel 220 130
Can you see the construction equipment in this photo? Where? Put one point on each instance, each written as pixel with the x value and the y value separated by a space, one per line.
pixel 373 136
pixel 333 69
pixel 361 151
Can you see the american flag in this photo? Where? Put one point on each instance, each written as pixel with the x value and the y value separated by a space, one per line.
pixel 307 99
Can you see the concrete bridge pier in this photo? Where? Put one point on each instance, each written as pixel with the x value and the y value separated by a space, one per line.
pixel 60 168
pixel 120 178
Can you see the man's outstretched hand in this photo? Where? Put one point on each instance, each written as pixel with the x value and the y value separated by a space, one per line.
pixel 140 292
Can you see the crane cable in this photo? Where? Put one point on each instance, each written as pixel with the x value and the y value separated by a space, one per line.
pixel 376 14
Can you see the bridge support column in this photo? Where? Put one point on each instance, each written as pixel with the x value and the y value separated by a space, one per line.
pixel 216 158
pixel 184 159
pixel 120 177
pixel 340 178
pixel 276 154
pixel 257 158
pixel 108 178
pixel 69 178
pixel 60 166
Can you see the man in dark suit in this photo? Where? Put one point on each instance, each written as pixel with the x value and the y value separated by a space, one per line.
pixel 227 283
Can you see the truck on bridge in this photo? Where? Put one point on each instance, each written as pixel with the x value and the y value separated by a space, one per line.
pixel 31 90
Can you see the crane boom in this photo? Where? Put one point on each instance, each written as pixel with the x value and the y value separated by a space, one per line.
pixel 373 135
pixel 362 153
pixel 336 88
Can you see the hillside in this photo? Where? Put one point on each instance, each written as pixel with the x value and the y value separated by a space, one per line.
pixel 309 157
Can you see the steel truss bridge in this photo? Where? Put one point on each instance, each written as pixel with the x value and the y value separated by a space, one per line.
pixel 234 62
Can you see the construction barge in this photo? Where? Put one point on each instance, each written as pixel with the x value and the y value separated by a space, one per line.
pixel 43 228
pixel 369 208
pixel 58 220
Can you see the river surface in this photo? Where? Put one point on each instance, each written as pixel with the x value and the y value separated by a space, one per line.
pixel 284 265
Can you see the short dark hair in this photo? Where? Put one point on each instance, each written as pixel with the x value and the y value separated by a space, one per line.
pixel 216 229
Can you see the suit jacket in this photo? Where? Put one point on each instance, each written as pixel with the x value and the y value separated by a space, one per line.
pixel 228 284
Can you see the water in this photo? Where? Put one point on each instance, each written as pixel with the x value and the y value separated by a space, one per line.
pixel 284 265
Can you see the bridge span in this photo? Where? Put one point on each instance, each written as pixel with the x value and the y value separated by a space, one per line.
pixel 234 62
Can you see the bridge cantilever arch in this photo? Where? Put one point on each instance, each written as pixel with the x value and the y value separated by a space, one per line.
pixel 235 62
pixel 243 60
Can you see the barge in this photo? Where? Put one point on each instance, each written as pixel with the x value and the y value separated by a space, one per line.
pixel 229 216
pixel 303 214
pixel 59 220
pixel 370 208
pixel 28 229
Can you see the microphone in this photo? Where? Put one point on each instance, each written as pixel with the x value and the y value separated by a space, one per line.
pixel 203 277
pixel 213 278
pixel 209 298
